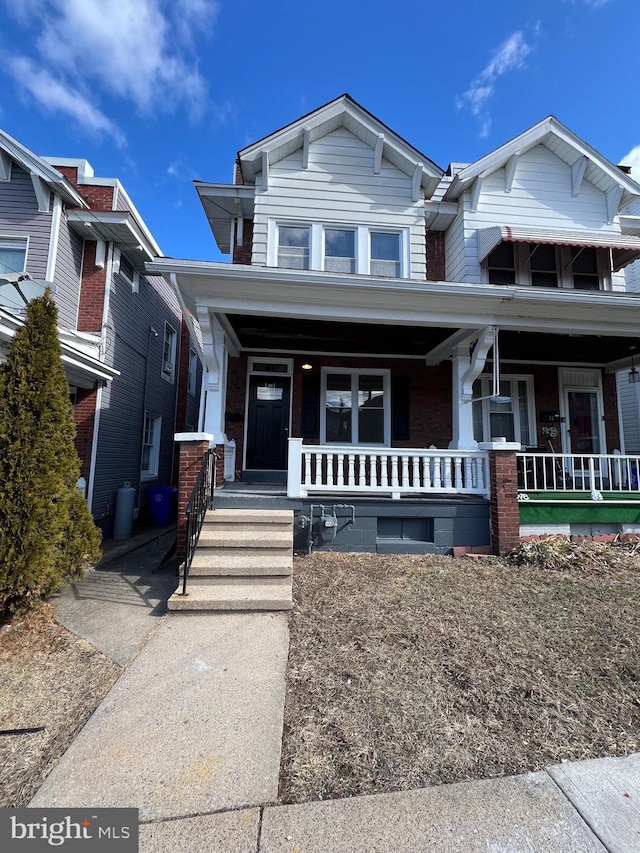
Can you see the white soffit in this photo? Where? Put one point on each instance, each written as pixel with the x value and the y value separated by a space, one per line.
pixel 625 249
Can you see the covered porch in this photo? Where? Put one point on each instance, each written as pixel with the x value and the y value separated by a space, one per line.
pixel 349 387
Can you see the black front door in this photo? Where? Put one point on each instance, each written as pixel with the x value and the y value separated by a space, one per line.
pixel 268 422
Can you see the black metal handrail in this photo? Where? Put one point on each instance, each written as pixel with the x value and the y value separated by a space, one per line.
pixel 200 501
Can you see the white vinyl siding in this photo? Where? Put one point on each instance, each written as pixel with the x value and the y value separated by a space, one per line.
pixel 339 188
pixel 540 197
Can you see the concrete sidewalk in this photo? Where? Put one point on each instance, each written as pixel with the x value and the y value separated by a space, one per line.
pixel 191 735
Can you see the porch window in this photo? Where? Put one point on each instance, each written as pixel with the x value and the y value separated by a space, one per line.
pixel 355 409
pixel 339 250
pixel 513 419
pixel 293 246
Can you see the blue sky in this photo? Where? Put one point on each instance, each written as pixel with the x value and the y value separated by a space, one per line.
pixel 161 92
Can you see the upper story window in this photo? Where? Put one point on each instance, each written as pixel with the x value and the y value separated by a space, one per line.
pixel 334 248
pixel 385 254
pixel 584 267
pixel 293 246
pixel 13 254
pixel 339 250
pixel 547 265
pixel 169 353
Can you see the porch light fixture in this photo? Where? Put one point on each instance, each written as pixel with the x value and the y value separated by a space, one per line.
pixel 307 366
pixel 634 374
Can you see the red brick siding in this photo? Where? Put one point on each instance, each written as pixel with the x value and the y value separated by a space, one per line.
pixel 430 405
pixel 92 289
pixel 97 197
pixel 84 416
pixel 435 256
pixel 191 455
pixel 237 174
pixel 505 512
pixel 242 254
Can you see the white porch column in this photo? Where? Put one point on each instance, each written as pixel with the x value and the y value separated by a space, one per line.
pixel 462 409
pixel 215 378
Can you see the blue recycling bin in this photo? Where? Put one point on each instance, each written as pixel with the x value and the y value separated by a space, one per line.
pixel 160 504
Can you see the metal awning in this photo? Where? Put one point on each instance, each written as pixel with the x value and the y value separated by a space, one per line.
pixel 624 249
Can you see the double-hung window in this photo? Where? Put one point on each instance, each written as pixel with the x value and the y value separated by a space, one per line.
pixel 340 248
pixel 548 265
pixel 355 407
pixel 293 246
pixel 13 254
pixel 512 416
pixel 385 254
pixel 169 353
pixel 150 446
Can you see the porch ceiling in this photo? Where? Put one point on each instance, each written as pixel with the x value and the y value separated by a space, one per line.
pixel 278 333
pixel 314 336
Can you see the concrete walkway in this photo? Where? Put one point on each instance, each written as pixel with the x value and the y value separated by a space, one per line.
pixel 191 733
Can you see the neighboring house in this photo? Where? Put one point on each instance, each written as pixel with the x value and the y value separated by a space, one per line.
pixel 125 345
pixel 352 344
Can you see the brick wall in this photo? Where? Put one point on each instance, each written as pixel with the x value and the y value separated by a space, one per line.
pixel 430 396
pixel 84 416
pixel 181 391
pixel 505 511
pixel 92 288
pixel 242 254
pixel 435 256
pixel 610 399
pixel 97 197
pixel 191 454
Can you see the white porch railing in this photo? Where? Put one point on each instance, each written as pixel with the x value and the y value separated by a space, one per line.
pixel 572 472
pixel 381 470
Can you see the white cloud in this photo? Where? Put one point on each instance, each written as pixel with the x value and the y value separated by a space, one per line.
pixel 56 96
pixel 595 4
pixel 510 56
pixel 140 51
pixel 633 159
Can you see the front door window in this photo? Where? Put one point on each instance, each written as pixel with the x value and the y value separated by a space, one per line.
pixel 584 427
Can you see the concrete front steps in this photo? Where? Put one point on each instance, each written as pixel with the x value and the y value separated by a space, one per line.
pixel 244 561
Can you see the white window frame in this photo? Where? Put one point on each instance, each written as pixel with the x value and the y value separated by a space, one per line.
pixel 486 382
pixel 151 472
pixel 15 241
pixel 192 381
pixel 522 252
pixel 317 244
pixel 168 372
pixel 354 373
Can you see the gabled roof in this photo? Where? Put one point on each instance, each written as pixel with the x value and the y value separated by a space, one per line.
pixel 584 161
pixel 341 112
pixel 43 176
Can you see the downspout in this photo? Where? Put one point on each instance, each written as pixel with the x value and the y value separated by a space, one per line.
pixel 103 350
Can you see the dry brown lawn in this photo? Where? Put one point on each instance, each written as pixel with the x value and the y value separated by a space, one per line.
pixel 413 671
pixel 49 678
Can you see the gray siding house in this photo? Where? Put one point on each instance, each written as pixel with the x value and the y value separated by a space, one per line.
pixel 134 375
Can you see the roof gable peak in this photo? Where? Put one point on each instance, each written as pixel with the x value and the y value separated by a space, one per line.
pixel 344 112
